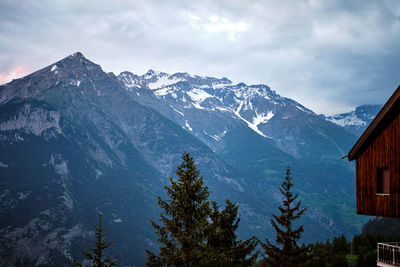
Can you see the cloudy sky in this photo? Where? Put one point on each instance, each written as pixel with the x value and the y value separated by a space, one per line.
pixel 328 55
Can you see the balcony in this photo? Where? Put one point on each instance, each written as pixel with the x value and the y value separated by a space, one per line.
pixel 388 254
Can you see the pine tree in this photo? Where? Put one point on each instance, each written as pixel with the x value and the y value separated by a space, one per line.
pixel 184 219
pixel 286 253
pixel 96 254
pixel 223 247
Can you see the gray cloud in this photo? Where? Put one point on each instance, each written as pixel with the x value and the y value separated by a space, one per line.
pixel 328 55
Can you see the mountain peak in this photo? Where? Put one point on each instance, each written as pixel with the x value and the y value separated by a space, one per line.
pixel 78 55
pixel 150 72
pixel 76 63
pixel 152 75
pixel 69 71
pixel 76 58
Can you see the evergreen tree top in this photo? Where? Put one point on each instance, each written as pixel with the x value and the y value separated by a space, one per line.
pixel 286 252
pixel 96 255
pixel 191 233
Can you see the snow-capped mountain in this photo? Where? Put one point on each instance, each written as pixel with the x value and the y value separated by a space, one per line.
pixel 356 121
pixel 255 105
pixel 210 107
pixel 76 141
pixel 259 132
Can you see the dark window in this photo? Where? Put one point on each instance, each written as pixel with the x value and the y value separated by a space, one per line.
pixel 383 181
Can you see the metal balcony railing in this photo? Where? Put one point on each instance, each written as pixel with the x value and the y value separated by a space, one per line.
pixel 388 253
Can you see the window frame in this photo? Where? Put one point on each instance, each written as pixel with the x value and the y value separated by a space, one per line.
pixel 383 181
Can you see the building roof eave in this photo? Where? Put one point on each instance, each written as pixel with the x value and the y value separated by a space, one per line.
pixel 375 126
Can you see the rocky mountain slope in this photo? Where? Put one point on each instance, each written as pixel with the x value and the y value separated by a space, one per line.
pixel 76 141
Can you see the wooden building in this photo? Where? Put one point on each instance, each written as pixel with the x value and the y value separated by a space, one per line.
pixel 377 155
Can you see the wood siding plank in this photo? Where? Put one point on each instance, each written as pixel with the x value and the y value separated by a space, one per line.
pixel 382 152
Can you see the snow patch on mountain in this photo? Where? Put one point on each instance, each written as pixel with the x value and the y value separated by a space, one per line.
pixel 163 81
pixel 218 137
pixel 197 105
pixel 164 91
pixel 221 109
pixel 299 107
pixel 129 79
pixel 351 119
pixel 262 118
pixel 249 92
pixel 198 95
pixel 188 126
pixel 177 111
pixel 355 121
pixel 117 220
pixel 253 125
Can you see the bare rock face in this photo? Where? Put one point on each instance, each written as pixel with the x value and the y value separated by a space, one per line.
pixel 33 120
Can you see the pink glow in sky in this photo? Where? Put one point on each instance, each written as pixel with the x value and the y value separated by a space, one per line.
pixel 16 73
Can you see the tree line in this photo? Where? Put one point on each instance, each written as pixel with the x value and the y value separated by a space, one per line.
pixel 194 231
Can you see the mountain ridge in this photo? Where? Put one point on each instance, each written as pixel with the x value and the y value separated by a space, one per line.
pixel 255 105
pixel 357 120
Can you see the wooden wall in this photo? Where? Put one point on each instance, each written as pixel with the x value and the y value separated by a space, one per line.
pixel 383 151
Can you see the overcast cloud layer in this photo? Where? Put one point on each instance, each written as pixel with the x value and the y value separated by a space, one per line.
pixel 328 55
